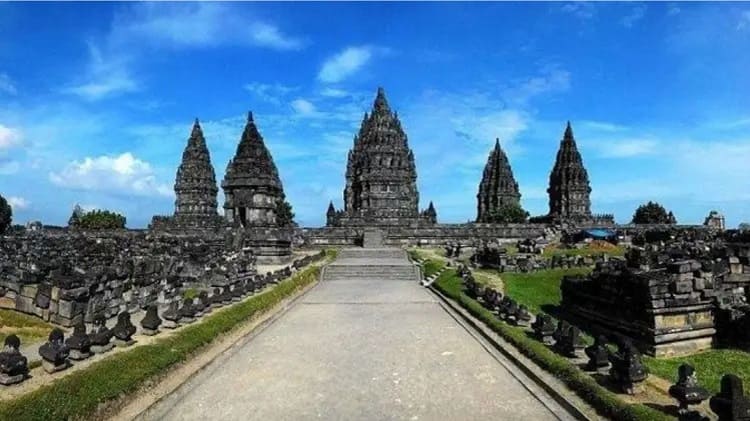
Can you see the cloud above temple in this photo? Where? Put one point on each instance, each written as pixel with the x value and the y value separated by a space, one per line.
pixel 345 64
pixel 122 173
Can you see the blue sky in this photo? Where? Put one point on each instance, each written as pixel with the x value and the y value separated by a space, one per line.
pixel 97 100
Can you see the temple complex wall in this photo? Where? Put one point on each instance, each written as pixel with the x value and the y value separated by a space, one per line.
pixel 440 234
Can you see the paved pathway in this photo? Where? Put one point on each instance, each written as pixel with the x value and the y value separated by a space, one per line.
pixel 363 344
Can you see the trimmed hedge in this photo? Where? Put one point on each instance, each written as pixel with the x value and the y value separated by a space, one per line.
pixel 80 394
pixel 604 401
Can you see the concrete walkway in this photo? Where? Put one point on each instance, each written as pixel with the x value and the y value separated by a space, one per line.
pixel 361 345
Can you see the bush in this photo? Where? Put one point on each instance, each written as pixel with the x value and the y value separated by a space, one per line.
pixel 509 213
pixel 101 220
pixel 6 215
pixel 653 213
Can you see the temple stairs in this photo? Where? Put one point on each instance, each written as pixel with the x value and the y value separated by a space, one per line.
pixel 377 264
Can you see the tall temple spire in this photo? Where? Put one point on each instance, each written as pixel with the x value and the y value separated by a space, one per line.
pixel 251 184
pixel 381 175
pixel 498 187
pixel 569 189
pixel 195 183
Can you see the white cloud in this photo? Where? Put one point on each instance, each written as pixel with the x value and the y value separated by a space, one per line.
pixel 628 148
pixel 334 93
pixel 551 79
pixel 107 75
pixel 673 10
pixel 580 9
pixel 9 137
pixel 744 22
pixel 120 174
pixel 636 13
pixel 18 203
pixel 271 93
pixel 7 85
pixel 344 64
pixel 304 107
pixel 189 25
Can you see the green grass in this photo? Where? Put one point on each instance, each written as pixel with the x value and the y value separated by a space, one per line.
pixel 710 366
pixel 80 394
pixel 431 267
pixel 539 289
pixel 28 328
pixel 605 402
pixel 190 293
pixel 594 249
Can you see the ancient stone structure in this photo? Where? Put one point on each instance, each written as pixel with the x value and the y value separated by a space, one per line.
pixel 381 177
pixel 687 391
pixel 151 321
pixel 715 220
pixel 195 189
pixel 68 277
pixel 124 330
pixel 731 404
pixel 569 187
pixel 627 369
pixel 195 184
pixel 13 366
pixel 498 187
pixel 254 196
pixel 101 336
pixel 79 342
pixel 54 352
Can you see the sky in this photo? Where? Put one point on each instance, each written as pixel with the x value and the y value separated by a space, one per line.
pixel 97 99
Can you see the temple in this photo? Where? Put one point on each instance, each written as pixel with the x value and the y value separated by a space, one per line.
pixel 381 177
pixel 498 187
pixel 195 188
pixel 253 196
pixel 569 187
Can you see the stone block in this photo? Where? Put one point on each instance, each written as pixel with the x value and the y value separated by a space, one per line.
pixel 679 267
pixel 8 302
pixel 699 284
pixel 29 290
pixel 25 304
pixel 683 286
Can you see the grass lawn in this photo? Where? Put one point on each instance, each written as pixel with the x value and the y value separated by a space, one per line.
pixel 710 366
pixel 538 290
pixel 28 328
pixel 591 249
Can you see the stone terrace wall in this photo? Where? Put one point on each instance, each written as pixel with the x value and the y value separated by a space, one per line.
pixel 64 276
pixel 436 235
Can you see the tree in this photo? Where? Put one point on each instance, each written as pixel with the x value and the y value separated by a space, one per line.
pixel 6 215
pixel 508 214
pixel 653 213
pixel 284 214
pixel 100 220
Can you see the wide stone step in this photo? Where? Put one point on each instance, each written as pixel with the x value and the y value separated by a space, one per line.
pixel 404 272
pixel 385 253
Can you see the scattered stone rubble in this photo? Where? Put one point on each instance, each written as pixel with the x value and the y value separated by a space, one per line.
pixel 58 352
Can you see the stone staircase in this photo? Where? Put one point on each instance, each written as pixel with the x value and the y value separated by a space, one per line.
pixel 371 264
pixel 376 253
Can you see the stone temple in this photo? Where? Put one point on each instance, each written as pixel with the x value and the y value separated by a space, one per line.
pixel 569 187
pixel 195 184
pixel 251 185
pixel 381 177
pixel 498 187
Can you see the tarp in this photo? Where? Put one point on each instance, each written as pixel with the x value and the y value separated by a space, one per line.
pixel 599 233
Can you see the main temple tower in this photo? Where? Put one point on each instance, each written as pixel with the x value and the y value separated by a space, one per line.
pixel 381 177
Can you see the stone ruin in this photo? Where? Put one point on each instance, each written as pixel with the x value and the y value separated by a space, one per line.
pixel 68 277
pixel 677 292
pixel 529 258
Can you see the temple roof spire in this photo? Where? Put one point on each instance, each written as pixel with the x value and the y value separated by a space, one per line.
pixel 381 103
